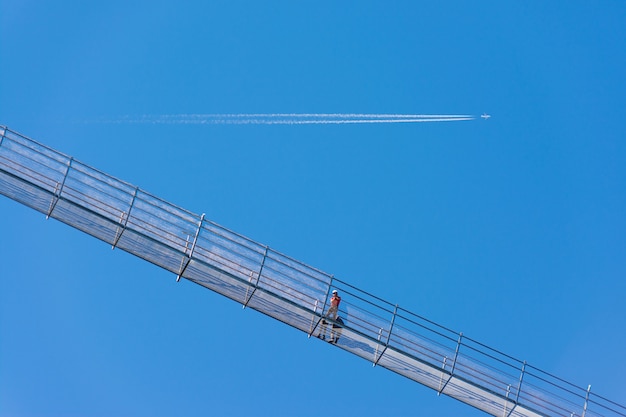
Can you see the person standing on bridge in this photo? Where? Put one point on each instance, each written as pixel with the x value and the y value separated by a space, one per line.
pixel 332 312
pixel 334 306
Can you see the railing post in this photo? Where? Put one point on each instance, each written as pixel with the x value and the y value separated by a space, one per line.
pixel 521 379
pixel 4 131
pixel 313 319
pixel 393 319
pixel 193 247
pixel 456 354
pixel 586 401
pixel 256 285
pixel 380 335
pixel 519 389
pixel 57 195
pixel 443 369
pixel 125 219
pixel 508 391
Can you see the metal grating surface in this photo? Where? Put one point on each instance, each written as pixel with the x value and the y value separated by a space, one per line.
pixel 296 294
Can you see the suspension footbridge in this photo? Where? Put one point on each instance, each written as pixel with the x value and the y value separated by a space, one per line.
pixel 194 248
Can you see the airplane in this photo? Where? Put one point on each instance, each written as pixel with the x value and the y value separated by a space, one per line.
pixel 485 116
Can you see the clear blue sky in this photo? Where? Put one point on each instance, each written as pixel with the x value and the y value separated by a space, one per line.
pixel 511 230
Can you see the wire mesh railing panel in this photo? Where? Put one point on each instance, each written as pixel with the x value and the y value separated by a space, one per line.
pixel 290 279
pixel 151 250
pixel 282 310
pixel 283 288
pixel 486 400
pixel 354 342
pixel 163 222
pixel 413 368
pixel 23 191
pixel 31 173
pixel 95 191
pixel 228 251
pixel 40 165
pixel 85 220
pixel 91 201
pixel 422 340
pixel 219 281
pixel 489 369
pixel 551 396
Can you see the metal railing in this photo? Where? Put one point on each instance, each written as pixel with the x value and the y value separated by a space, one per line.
pixel 258 277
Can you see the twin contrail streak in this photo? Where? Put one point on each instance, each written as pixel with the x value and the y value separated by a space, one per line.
pixel 291 118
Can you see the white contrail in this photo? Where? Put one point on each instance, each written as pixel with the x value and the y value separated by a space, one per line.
pixel 322 121
pixel 293 118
